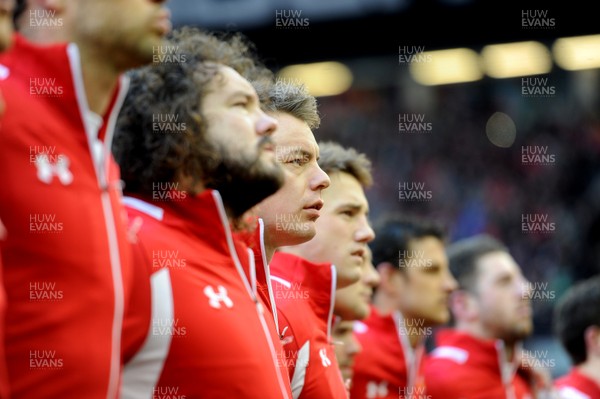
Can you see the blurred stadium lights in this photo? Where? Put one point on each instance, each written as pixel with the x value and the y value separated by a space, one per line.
pixel 337 27
pixel 446 66
pixel 511 60
pixel 507 60
pixel 461 65
pixel 576 53
pixel 321 78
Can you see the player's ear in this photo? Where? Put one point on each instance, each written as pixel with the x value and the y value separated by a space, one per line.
pixel 387 274
pixel 462 305
pixel 592 341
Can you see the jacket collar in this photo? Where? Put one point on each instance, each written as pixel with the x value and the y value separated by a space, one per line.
pixel 412 356
pixel 202 215
pixel 255 239
pixel 318 280
pixel 486 353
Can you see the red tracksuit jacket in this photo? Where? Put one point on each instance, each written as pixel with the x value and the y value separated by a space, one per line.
pixel 254 239
pixel 3 371
pixel 66 254
pixel 208 334
pixel 464 367
pixel 301 295
pixel 388 366
pixel 304 294
pixel 575 385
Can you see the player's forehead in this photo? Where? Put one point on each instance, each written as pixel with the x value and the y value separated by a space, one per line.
pixel 346 191
pixel 497 265
pixel 227 81
pixel 293 134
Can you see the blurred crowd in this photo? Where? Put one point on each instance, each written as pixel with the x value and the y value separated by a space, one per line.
pixel 474 186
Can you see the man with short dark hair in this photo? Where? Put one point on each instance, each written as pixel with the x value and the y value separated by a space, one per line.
pixel 481 356
pixel 412 298
pixel 577 325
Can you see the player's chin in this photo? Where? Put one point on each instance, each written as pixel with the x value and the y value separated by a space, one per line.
pixel 5 33
pixel 299 233
pixel 308 229
pixel 151 43
pixel 147 51
pixel 442 317
pixel 525 328
pixel 360 311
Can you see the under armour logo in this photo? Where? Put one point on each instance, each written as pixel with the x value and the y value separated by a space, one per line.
pixel 324 359
pixel 46 170
pixel 285 340
pixel 375 390
pixel 134 228
pixel 4 72
pixel 215 299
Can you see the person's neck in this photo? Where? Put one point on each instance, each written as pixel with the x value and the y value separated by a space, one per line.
pixel 591 369
pixel 509 350
pixel 290 249
pixel 383 303
pixel 386 306
pixel 38 34
pixel 100 77
pixel 42 37
pixel 477 331
pixel 269 250
pixel 414 338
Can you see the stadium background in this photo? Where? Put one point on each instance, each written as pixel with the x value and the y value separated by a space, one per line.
pixel 470 184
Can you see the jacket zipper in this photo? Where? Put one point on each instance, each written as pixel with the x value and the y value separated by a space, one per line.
pixel 251 293
pixel 108 213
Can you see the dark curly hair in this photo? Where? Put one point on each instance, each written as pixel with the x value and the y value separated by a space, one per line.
pixel 173 87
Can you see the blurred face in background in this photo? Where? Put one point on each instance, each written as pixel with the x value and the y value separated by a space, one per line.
pixel 423 286
pixel 129 31
pixel 503 298
pixel 6 24
pixel 6 31
pixel 354 301
pixel 346 347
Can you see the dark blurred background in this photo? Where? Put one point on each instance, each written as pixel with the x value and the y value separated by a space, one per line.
pixel 468 183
